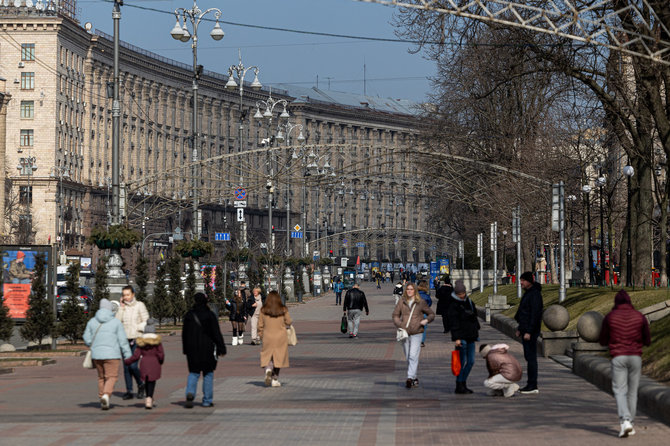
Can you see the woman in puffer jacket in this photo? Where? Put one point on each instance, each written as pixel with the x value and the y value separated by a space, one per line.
pixel 105 335
pixel 409 315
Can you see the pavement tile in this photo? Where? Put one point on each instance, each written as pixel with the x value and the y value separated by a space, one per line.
pixel 337 391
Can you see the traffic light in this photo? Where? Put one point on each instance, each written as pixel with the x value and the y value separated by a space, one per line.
pixel 331 252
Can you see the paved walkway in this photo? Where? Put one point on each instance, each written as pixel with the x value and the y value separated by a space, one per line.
pixel 338 391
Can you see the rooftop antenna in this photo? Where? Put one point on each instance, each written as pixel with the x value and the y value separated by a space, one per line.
pixel 329 78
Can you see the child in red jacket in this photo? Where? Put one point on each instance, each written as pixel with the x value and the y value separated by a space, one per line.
pixel 150 349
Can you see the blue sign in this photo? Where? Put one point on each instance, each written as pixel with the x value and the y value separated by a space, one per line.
pixel 434 272
pixel 222 236
pixel 240 194
pixel 360 245
pixel 296 234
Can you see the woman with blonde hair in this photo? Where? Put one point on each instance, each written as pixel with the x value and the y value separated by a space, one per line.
pixel 412 313
pixel 272 324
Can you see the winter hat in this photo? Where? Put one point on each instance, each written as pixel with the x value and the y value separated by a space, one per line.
pixel 484 350
pixel 151 326
pixel 528 277
pixel 459 287
pixel 105 304
pixel 20 255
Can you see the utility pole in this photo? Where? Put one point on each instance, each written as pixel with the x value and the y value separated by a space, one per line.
pixel 480 254
pixel 494 249
pixel 516 238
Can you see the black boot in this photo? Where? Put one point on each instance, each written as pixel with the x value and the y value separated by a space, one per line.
pixel 465 387
pixel 460 388
pixel 140 391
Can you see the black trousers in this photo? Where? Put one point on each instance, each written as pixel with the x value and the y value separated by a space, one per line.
pixel 530 354
pixel 149 387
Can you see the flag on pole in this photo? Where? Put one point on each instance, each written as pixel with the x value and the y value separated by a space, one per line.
pixel 358 260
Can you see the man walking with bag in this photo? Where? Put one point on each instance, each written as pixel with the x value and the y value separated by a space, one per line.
pixel 354 304
pixel 625 330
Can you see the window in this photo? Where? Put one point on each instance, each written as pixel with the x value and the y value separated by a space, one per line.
pixel 28 81
pixel 26 194
pixel 27 51
pixel 27 109
pixel 27 138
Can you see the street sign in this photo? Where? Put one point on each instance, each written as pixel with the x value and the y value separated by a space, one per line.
pixel 413 248
pixel 177 235
pixel 555 200
pixel 240 194
pixel 264 246
pixel 344 261
pixel 360 245
pixel 222 236
pixel 297 228
pixel 240 214
pixel 344 241
pixel 161 245
pixel 240 204
pixel 296 234
pixel 480 244
pixel 317 254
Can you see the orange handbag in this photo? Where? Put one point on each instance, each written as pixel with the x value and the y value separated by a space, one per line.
pixel 456 362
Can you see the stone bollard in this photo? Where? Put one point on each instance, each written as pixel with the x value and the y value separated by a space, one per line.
pixel 588 327
pixel 557 341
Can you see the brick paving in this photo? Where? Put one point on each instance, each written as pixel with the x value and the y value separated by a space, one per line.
pixel 337 391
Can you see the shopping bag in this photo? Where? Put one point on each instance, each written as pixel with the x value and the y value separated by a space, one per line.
pixel 344 325
pixel 456 362
pixel 292 338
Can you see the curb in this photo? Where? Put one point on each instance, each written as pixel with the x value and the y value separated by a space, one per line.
pixel 652 398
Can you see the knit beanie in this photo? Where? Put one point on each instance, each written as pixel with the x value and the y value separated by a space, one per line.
pixel 151 326
pixel 528 277
pixel 459 287
pixel 105 304
pixel 484 350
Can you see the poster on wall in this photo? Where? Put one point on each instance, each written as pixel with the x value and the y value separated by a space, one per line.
pixel 18 270
pixel 212 279
pixel 444 265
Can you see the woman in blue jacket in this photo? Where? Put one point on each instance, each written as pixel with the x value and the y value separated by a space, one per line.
pixel 424 292
pixel 106 337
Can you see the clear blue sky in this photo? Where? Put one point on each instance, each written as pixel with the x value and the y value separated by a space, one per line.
pixel 283 57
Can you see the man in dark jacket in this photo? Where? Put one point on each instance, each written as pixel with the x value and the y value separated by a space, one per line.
pixel 354 304
pixel 625 330
pixel 443 296
pixel 462 315
pixel 202 344
pixel 529 317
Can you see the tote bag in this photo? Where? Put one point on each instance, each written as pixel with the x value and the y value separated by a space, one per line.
pixel 344 325
pixel 292 338
pixel 456 362
pixel 88 359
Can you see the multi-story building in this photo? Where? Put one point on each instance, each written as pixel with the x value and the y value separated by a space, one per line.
pixel 352 184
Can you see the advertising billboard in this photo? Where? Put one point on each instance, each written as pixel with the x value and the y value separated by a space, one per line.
pixel 444 265
pixel 18 269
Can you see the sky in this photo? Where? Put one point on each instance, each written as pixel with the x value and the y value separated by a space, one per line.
pixel 283 57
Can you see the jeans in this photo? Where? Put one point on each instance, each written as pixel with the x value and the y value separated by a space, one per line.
pixel 132 370
pixel 530 354
pixel 467 360
pixel 338 297
pixel 207 386
pixel 412 349
pixel 354 319
pixel 626 372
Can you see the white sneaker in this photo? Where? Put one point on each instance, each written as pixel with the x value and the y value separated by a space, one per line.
pixel 234 340
pixel 511 390
pixel 626 429
pixel 104 402
pixel 496 392
pixel 240 340
pixel 276 383
pixel 268 378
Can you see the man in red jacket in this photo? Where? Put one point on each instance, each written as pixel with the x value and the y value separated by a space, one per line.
pixel 625 330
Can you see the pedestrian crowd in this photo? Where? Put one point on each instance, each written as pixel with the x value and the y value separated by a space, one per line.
pixel 129 336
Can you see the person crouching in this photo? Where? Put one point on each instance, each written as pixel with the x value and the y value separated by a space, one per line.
pixel 150 349
pixel 504 370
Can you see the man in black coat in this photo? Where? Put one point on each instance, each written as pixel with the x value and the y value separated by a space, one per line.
pixel 354 304
pixel 202 344
pixel 529 317
pixel 443 296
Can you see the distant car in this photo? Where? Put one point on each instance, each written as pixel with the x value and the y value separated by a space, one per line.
pixel 84 300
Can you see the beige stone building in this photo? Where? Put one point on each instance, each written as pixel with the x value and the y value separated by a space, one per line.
pixel 361 196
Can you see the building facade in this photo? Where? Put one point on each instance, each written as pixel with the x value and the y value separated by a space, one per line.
pixel 351 185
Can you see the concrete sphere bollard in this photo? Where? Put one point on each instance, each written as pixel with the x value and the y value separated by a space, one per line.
pixel 556 317
pixel 588 326
pixel 7 348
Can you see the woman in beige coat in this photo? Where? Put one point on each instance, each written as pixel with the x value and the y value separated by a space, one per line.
pixel 409 314
pixel 272 324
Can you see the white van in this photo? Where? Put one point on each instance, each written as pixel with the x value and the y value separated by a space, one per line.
pixel 61 275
